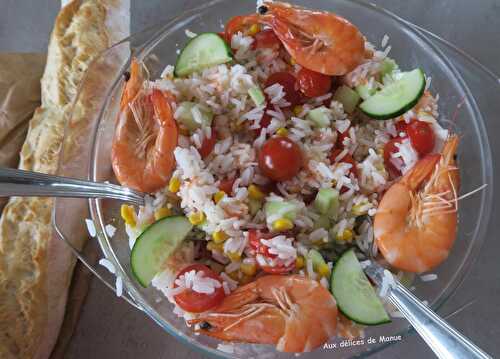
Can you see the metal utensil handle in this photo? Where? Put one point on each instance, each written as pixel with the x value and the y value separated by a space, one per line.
pixel 443 339
pixel 15 182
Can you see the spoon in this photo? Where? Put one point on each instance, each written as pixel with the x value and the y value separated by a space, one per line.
pixel 15 182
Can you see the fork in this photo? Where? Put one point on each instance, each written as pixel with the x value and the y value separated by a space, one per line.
pixel 15 182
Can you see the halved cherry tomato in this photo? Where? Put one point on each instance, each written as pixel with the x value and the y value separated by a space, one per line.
pixel 239 23
pixel 312 83
pixel 266 39
pixel 226 185
pixel 290 86
pixel 280 159
pixel 421 136
pixel 389 149
pixel 401 127
pixel 195 302
pixel 208 144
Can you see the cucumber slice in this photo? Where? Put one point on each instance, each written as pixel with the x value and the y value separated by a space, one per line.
pixel 257 96
pixel 396 98
pixel 205 50
pixel 388 66
pixel 155 245
pixel 185 115
pixel 347 97
pixel 354 294
pixel 321 117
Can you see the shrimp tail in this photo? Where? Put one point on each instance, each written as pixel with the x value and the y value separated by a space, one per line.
pixel 420 172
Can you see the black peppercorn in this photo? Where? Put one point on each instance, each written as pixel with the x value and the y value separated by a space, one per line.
pixel 126 75
pixel 262 9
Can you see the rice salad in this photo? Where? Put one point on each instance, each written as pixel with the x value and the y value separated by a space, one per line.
pixel 246 207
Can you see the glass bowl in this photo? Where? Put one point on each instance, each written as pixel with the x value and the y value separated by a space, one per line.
pixel 157 46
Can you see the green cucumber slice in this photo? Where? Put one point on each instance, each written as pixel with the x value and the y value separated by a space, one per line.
pixel 365 91
pixel 155 245
pixel 347 97
pixel 257 96
pixel 396 98
pixel 321 117
pixel 205 50
pixel 355 296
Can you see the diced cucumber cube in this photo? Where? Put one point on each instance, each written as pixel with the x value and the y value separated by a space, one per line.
pixel 326 198
pixel 257 96
pixel 316 259
pixel 323 221
pixel 321 116
pixel 347 97
pixel 194 115
pixel 280 209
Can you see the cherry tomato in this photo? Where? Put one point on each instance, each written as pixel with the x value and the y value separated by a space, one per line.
pixel 290 86
pixel 312 83
pixel 239 23
pixel 421 137
pixel 390 148
pixel 208 145
pixel 254 238
pixel 226 185
pixel 195 302
pixel 280 158
pixel 266 39
pixel 401 127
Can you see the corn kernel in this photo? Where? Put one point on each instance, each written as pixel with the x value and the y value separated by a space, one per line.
pixel 219 236
pixel 218 196
pixel 128 214
pixel 248 269
pixel 359 209
pixel 282 224
pixel 323 270
pixel 345 236
pixel 162 213
pixel 292 61
pixel 297 110
pixel 254 192
pixel 255 28
pixel 234 256
pixel 212 246
pixel 282 132
pixel 174 185
pixel 299 262
pixel 196 218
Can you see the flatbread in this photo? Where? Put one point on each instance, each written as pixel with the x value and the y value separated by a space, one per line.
pixel 35 267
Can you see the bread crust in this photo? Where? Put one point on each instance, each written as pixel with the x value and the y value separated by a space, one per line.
pixel 36 267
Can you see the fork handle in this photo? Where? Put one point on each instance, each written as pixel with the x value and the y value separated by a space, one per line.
pixel 444 340
pixel 15 182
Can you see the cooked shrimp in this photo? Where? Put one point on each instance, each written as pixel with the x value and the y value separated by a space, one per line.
pixel 320 41
pixel 296 314
pixel 145 137
pixel 133 84
pixel 416 222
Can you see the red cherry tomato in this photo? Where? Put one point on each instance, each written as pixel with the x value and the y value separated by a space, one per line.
pixel 290 86
pixel 421 137
pixel 195 302
pixel 239 23
pixel 280 158
pixel 389 149
pixel 312 83
pixel 254 238
pixel 208 145
pixel 266 39
pixel 401 127
pixel 226 185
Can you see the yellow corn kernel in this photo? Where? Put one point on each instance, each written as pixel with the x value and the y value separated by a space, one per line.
pixel 358 209
pixel 128 214
pixel 254 192
pixel 234 256
pixel 282 132
pixel 299 262
pixel 323 270
pixel 174 185
pixel 345 236
pixel 218 196
pixel 292 61
pixel 212 246
pixel 184 131
pixel 162 213
pixel 248 269
pixel 196 218
pixel 282 224
pixel 255 28
pixel 219 236
pixel 297 110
